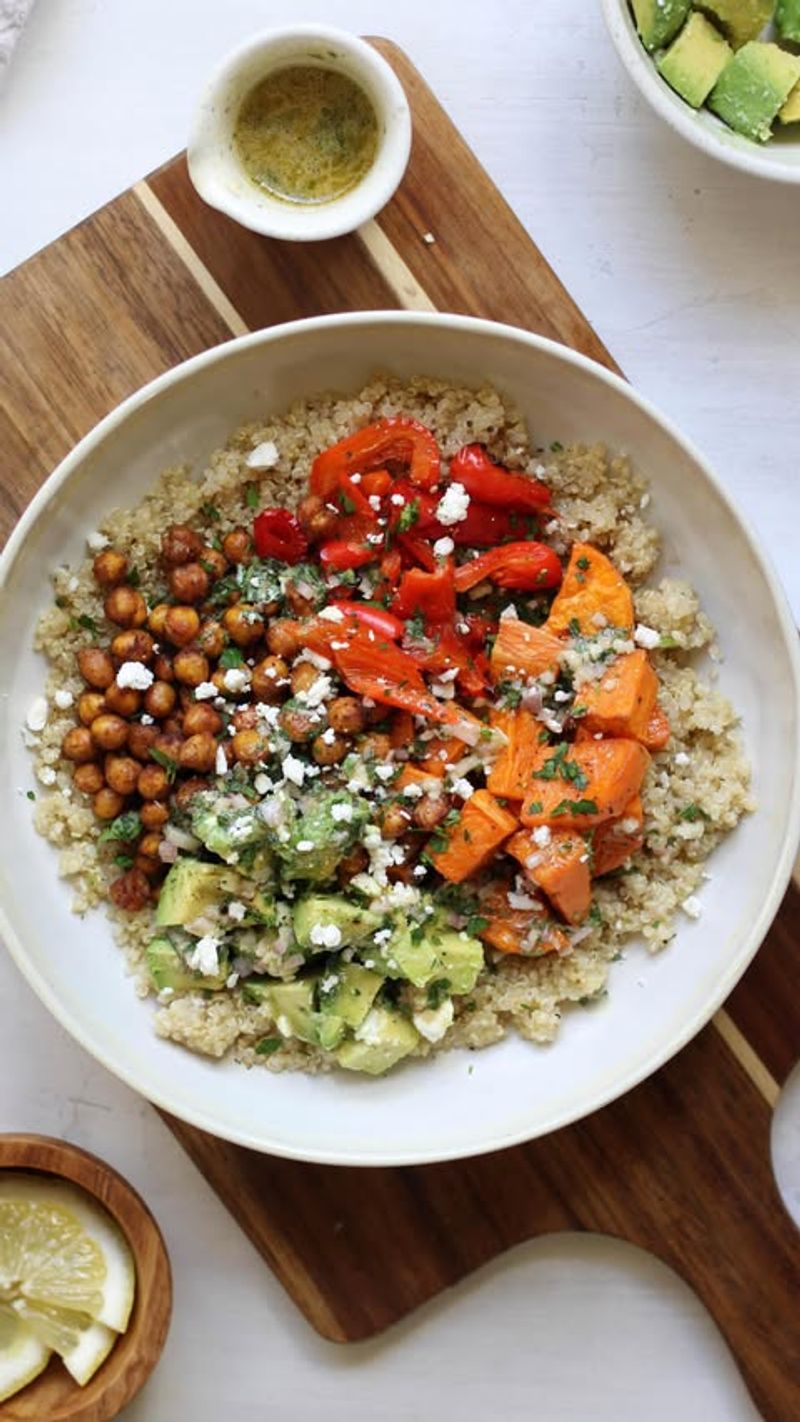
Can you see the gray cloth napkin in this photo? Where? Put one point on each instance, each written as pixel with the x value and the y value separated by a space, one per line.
pixel 13 14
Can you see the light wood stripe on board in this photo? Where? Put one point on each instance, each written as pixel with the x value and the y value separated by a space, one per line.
pixel 210 288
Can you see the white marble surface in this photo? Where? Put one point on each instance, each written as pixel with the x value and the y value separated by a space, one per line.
pixel 689 272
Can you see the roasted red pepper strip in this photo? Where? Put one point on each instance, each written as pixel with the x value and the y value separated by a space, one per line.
pixel 390 676
pixel 391 568
pixel 378 482
pixel 491 484
pixel 523 567
pixel 446 649
pixel 417 550
pixel 433 594
pixel 277 534
pixel 339 555
pixel 384 623
pixel 389 441
pixel 349 493
pixel 483 526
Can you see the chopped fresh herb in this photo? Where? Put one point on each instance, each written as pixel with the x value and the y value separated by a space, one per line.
pixel 438 990
pixel 574 627
pixel 578 711
pixel 557 447
pixel 85 622
pixel 31 794
pixel 596 917
pixel 693 812
pixel 409 515
pixel 222 590
pixel 575 807
pixel 415 627
pixel 123 861
pixel 476 925
pixel 126 827
pixel 230 657
pixel 558 767
pixel 485 733
pixel 535 807
pixel 267 1046
pixel 667 643
pixel 61 602
pixel 134 578
pixel 544 737
pixel 166 761
pixel 251 496
pixel 509 695
pixel 583 563
pixel 208 568
pixel 210 511
pixel 346 504
pixel 347 578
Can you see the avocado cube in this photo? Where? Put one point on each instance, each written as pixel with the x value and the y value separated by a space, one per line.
pixel 694 61
pixel 787 20
pixel 352 995
pixel 168 969
pixel 753 87
pixel 382 1040
pixel 228 830
pixel 292 1009
pixel 742 20
pixel 461 960
pixel 318 911
pixel 658 21
pixel 190 889
pixel 790 113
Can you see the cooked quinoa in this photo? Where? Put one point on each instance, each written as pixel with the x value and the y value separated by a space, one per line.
pixel 695 792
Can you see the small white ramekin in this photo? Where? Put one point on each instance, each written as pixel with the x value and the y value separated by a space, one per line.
pixel 218 174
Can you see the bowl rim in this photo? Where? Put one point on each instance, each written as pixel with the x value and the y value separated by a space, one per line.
pixel 679 115
pixel 782 869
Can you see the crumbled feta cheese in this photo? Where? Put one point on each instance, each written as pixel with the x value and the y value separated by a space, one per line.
pixel 305 846
pixel 385 772
pixel 629 825
pixel 381 936
pixel 443 547
pixel 221 761
pixel 599 619
pixel 236 679
pixel 264 456
pixel 374 502
pixel 331 614
pixel 375 538
pixel 681 758
pixel 47 775
pixel 146 720
pixel 646 636
pixel 692 907
pixel 36 719
pixel 428 238
pixel 342 814
pixel 205 691
pixel 520 901
pixel 412 791
pixel 204 958
pixel 542 836
pixel 293 769
pixel 135 675
pixel 328 736
pixel 236 911
pixel 263 784
pixel 321 663
pixel 97 541
pixel 561 696
pixel 398 500
pixel 509 614
pixel 325 935
pixel 462 788
pixel 453 505
pixel 432 1023
pixel 354 479
pixel 63 699
pixel 317 692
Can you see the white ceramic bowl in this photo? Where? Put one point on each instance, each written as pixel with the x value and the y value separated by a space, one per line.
pixel 221 180
pixel 778 159
pixel 459 1103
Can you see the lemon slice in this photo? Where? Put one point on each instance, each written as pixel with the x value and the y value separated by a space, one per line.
pixel 61 1251
pixel 22 1356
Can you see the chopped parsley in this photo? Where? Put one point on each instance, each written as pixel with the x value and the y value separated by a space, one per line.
pixel 409 515
pixel 346 503
pixel 31 795
pixel 583 563
pixel 574 627
pixel 126 827
pixel 692 813
pixel 509 695
pixel 230 657
pixel 438 990
pixel 558 767
pixel 535 807
pixel 575 807
pixel 84 621
pixel 123 861
pixel 476 925
pixel 252 497
pixel 210 511
pixel 556 447
pixel 165 761
pixel 267 1046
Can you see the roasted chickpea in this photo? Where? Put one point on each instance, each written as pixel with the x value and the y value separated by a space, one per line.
pixel 316 521
pixel 153 814
pixel 109 568
pixel 394 821
pixel 238 546
pixel 96 667
pixel 186 792
pixel 153 782
pixel 375 746
pixel 78 745
pixel 131 891
pixel 149 843
pixel 151 868
pixel 299 604
pixel 353 863
pixel 108 731
pixel 191 667
pixel 284 638
pixel 401 874
pixel 214 562
pixel 190 582
pixel 330 751
pixel 134 645
pixel 180 544
pixel 157 617
pixel 90 704
pixel 159 699
pixel 163 670
pixel 245 719
pixel 181 625
pixel 198 753
pixel 303 677
pixel 125 606
pixel 249 747
pixel 270 679
pixel 123 700
pixel 107 804
pixel 430 811
pixel 168 743
pixel 211 639
pixel 345 713
pixel 140 739
pixel 201 717
pixel 374 715
pixel 243 624
pixel 88 778
pixel 299 725
pixel 122 773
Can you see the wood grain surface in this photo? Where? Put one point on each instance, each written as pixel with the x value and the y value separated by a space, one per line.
pixel 54 1396
pixel 681 1165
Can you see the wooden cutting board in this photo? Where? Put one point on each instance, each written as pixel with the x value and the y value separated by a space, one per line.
pixel 680 1166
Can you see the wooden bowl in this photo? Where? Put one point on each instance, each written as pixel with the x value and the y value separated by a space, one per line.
pixel 54 1396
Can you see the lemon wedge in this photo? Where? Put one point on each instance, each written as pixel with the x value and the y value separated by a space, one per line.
pixel 22 1356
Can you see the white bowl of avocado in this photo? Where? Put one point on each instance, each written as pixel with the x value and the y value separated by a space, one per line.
pixel 723 73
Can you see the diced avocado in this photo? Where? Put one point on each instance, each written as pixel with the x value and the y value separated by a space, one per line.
pixel 317 840
pixel 191 889
pixel 353 921
pixel 168 969
pixel 431 954
pixel 742 20
pixel 461 959
pixel 790 113
pixel 226 829
pixel 693 63
pixel 787 20
pixel 382 1040
pixel 353 994
pixel 292 1008
pixel 658 21
pixel 408 954
pixel 753 87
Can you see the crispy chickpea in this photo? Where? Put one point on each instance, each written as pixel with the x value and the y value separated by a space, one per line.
pixel 123 700
pixel 125 606
pixel 352 864
pixel 131 891
pixel 198 753
pixel 303 677
pixel 201 717
pixel 134 645
pixel 238 546
pixel 346 714
pixel 430 811
pixel 374 715
pixel 191 667
pixel 395 820
pixel 107 804
pixel 299 725
pixel 88 778
pixel 163 670
pixel 149 843
pixel 299 604
pixel 211 639
pixel 375 746
pixel 187 791
pixel 316 521
pixel 173 726
pixel 108 731
pixel 96 667
pixel 151 868
pixel 122 773
pixel 245 718
pixel 190 582
pixel 249 747
pixel 180 544
pixel 270 679
pixel 159 700
pixel 401 874
pixel 168 743
pixel 181 625
pixel 153 814
pixel 140 739
pixel 214 561
pixel 218 680
pixel 90 704
pixel 157 617
pixel 78 745
pixel 109 568
pixel 330 751
pixel 284 638
pixel 153 782
pixel 243 624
